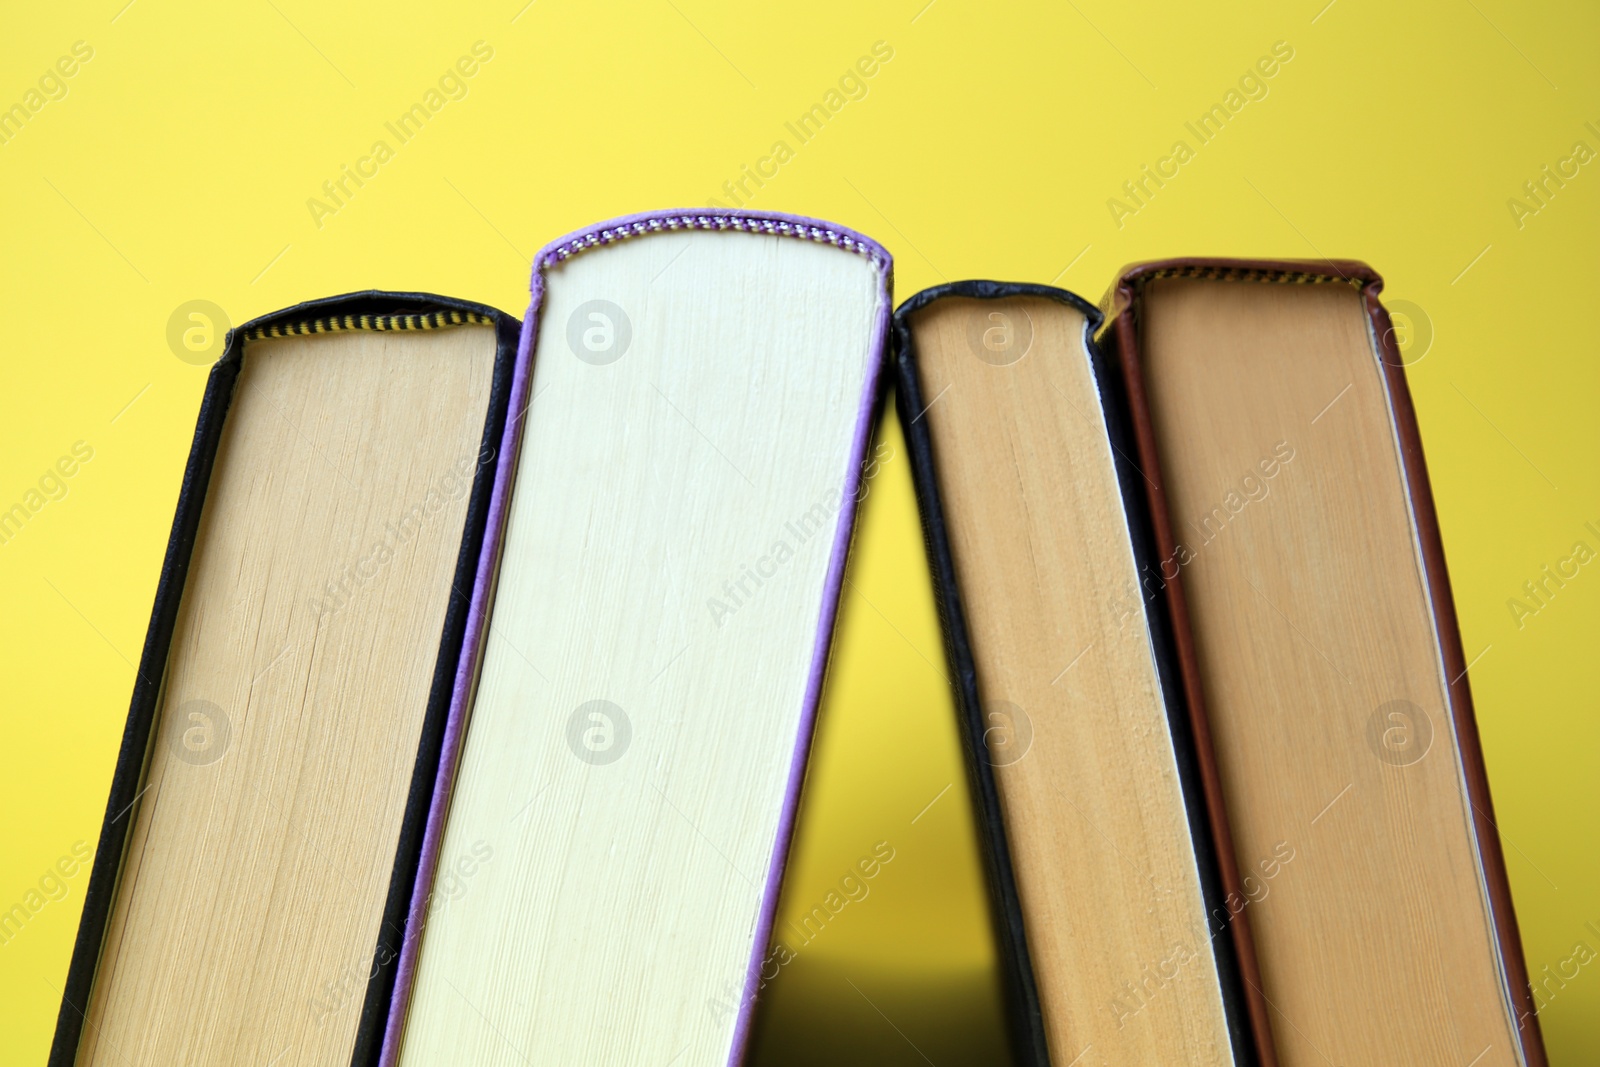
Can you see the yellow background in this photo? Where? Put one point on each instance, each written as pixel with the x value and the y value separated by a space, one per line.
pixel 179 164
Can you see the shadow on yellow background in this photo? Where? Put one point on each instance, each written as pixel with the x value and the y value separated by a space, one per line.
pixel 909 969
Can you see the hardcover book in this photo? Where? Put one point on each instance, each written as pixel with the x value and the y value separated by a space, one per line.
pixel 1120 923
pixel 632 716
pixel 262 836
pixel 1301 566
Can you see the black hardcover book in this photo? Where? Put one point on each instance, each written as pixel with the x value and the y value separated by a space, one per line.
pixel 1099 806
pixel 250 889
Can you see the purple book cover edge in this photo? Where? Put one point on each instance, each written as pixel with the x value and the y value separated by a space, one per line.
pixel 626 227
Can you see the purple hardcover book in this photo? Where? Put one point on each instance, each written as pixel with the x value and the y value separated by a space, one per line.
pixel 645 647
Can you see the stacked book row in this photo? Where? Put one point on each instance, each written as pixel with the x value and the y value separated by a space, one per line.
pixel 475 707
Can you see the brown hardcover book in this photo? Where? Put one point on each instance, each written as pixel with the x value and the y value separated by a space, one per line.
pixel 1301 565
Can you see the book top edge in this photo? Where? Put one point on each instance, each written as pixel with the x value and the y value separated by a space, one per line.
pixel 774 223
pixel 382 323
pixel 1130 281
pixel 1352 272
pixel 373 309
pixel 982 289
